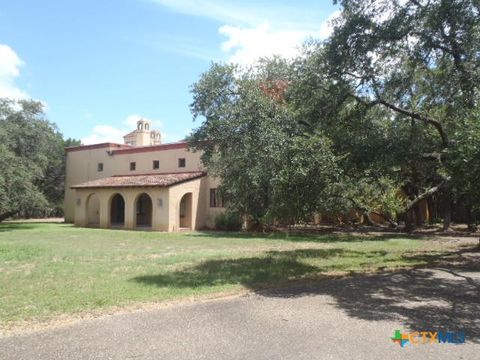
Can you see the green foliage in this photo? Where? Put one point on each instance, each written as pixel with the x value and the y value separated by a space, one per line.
pixel 228 221
pixel 32 161
pixel 378 116
pixel 464 162
pixel 251 140
pixel 418 62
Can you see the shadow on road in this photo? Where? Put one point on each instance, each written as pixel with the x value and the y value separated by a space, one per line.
pixel 442 295
pixel 422 299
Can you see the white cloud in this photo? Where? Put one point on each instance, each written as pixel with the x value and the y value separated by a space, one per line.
pixel 255 30
pixel 208 9
pixel 250 13
pixel 108 133
pixel 10 64
pixel 326 27
pixel 104 133
pixel 245 45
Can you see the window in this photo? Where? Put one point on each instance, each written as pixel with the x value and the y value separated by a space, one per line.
pixel 216 199
pixel 133 166
pixel 181 162
pixel 156 164
pixel 100 167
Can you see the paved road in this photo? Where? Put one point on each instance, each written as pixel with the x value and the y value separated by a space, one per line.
pixel 350 318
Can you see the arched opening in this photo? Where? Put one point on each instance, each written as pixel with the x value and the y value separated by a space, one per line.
pixel 93 210
pixel 143 211
pixel 117 211
pixel 185 212
pixel 147 127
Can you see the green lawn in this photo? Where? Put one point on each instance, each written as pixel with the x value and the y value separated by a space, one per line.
pixel 47 270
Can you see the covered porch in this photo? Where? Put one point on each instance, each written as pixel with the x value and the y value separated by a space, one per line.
pixel 162 202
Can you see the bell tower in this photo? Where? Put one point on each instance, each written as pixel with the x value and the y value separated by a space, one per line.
pixel 143 135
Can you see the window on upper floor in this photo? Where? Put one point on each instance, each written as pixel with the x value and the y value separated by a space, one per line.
pixel 182 162
pixel 100 167
pixel 133 166
pixel 156 164
pixel 216 199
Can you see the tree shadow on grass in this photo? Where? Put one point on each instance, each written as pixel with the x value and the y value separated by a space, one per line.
pixel 17 226
pixel 254 271
pixel 442 295
pixel 329 237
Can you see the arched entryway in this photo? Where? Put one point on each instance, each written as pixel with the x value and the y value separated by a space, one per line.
pixel 93 210
pixel 185 211
pixel 117 210
pixel 143 211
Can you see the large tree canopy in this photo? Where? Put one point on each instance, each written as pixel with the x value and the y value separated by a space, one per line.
pixel 31 161
pixel 268 166
pixel 380 116
pixel 420 61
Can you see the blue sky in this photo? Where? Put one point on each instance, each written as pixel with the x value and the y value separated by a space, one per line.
pixel 100 65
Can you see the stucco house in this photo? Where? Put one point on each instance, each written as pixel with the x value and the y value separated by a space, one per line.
pixel 141 184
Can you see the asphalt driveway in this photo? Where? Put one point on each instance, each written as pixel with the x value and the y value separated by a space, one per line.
pixel 347 318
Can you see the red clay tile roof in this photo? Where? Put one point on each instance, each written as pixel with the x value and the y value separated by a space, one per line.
pixel 144 180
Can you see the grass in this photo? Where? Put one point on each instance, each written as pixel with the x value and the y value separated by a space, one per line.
pixel 48 270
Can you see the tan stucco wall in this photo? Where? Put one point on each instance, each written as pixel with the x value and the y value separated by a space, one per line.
pixel 93 209
pixel 82 167
pixel 176 193
pixel 160 206
pixel 165 205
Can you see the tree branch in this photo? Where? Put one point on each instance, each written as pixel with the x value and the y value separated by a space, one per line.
pixel 386 218
pixel 425 195
pixel 426 119
pixel 413 114
pixel 433 156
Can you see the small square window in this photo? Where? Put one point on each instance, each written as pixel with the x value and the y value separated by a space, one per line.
pixel 100 167
pixel 156 164
pixel 133 166
pixel 181 162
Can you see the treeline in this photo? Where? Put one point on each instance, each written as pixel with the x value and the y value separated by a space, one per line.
pixel 380 117
pixel 32 161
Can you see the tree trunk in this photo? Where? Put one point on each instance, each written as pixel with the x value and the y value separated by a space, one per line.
pixel 472 227
pixel 6 215
pixel 390 221
pixel 418 215
pixel 447 214
pixel 409 221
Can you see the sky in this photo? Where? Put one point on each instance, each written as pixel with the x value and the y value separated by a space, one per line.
pixel 99 66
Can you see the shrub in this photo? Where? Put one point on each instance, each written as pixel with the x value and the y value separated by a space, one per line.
pixel 228 221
